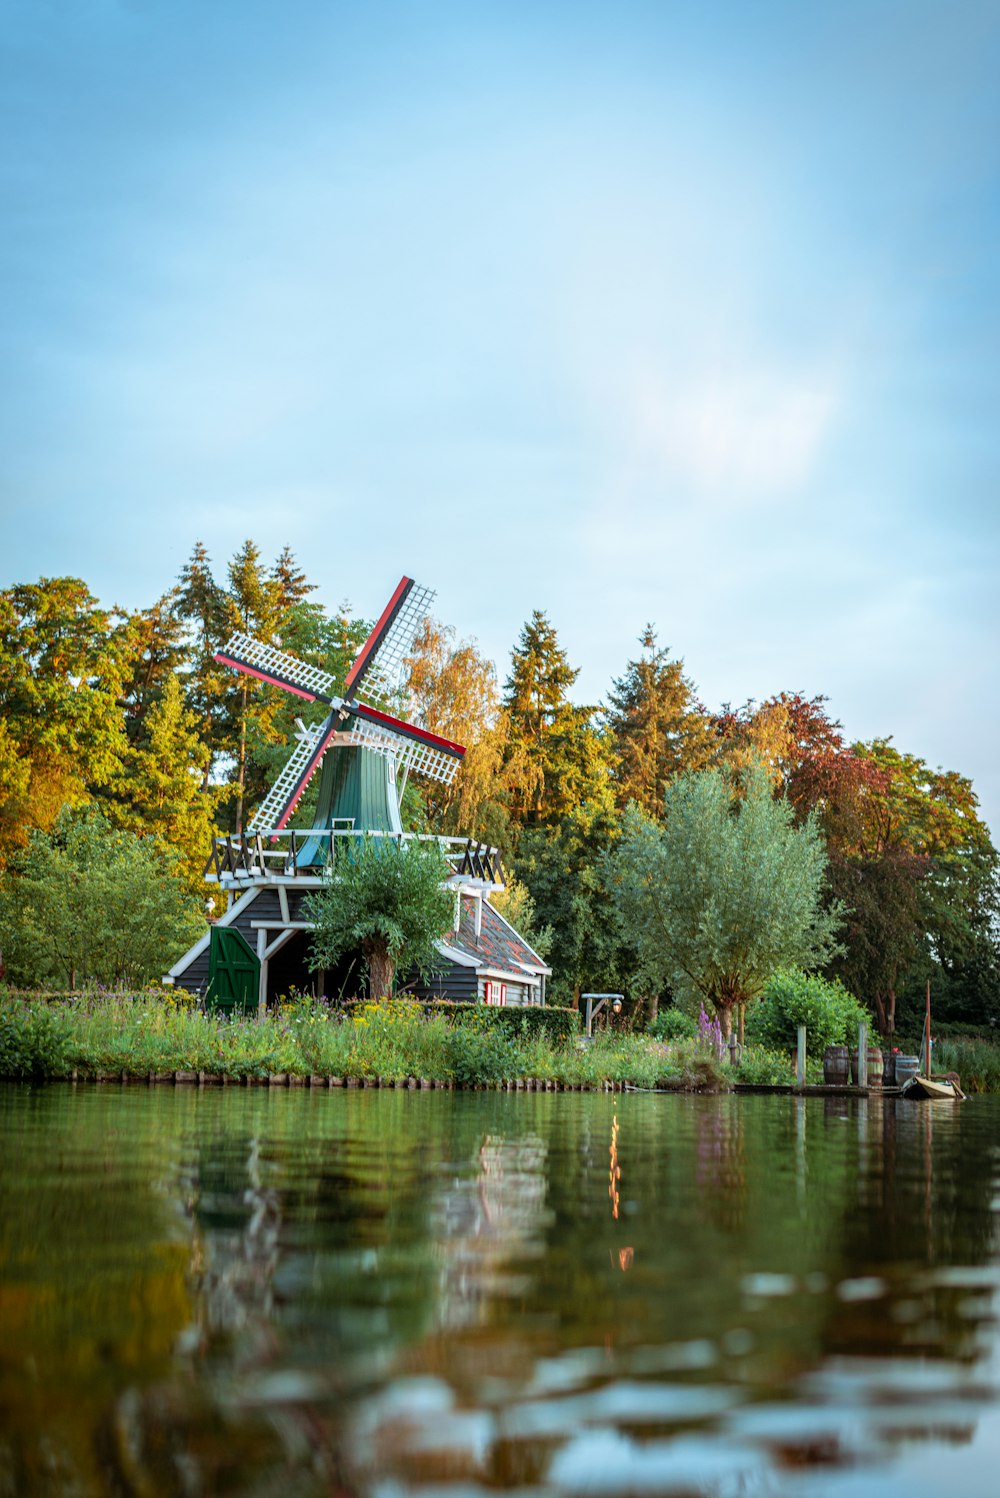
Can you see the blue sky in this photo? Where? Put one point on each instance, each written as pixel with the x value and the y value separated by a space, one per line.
pixel 675 312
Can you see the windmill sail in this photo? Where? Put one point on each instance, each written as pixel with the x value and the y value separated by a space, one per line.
pixel 286 792
pixel 354 724
pixel 377 672
pixel 411 747
pixel 254 658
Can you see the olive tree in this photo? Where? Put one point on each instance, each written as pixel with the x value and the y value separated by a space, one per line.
pixel 386 899
pixel 725 891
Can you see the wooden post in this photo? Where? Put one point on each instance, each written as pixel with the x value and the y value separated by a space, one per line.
pixel 862 1055
pixel 262 984
pixel 927 1032
pixel 800 1058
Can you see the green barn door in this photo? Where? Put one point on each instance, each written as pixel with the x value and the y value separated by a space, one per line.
pixel 233 972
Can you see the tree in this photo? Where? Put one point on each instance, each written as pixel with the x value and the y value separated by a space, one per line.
pixel 561 759
pixel 919 878
pixel 658 727
pixel 161 791
pixel 728 890
pixel 201 604
pixel 453 692
pixel 155 652
pixel 86 903
pixel 62 667
pixel 562 868
pixel 387 900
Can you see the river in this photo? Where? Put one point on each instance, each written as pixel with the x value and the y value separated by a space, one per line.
pixel 298 1292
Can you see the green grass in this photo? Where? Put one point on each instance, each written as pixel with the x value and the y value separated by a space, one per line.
pixel 976 1061
pixel 147 1034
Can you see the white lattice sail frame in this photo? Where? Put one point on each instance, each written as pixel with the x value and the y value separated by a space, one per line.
pixel 409 754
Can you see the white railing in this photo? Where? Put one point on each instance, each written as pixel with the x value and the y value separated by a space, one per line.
pixel 291 852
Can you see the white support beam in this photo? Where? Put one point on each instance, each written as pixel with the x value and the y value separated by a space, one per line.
pixel 277 944
pixel 262 956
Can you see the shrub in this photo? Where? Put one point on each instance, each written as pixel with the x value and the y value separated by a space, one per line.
pixel 520 1023
pixel 763 1067
pixel 673 1024
pixel 34 1041
pixel 791 998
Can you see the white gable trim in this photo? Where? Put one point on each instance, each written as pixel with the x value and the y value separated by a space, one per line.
pixel 541 967
pixel 461 959
pixel 201 944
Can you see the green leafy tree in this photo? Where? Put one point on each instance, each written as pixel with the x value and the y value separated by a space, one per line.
pixel 563 869
pixel 89 903
pixel 161 790
pixel 387 900
pixel 658 727
pixel 155 651
pixel 555 758
pixel 728 890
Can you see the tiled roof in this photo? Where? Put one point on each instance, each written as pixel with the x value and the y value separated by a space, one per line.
pixel 498 945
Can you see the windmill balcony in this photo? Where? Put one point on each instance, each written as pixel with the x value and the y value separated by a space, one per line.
pixel 308 856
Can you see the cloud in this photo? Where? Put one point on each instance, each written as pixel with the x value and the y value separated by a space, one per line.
pixel 744 431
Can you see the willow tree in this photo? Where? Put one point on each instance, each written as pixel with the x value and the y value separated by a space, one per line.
pixel 726 891
pixel 386 900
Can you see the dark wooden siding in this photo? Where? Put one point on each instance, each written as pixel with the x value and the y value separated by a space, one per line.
pixel 450 981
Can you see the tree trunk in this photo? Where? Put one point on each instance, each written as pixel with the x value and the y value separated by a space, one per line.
pixel 725 1013
pixel 880 1012
pixel 381 969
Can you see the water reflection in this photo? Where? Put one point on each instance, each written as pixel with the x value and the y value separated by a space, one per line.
pixel 240 1291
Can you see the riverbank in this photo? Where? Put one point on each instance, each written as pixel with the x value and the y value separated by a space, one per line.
pixel 161 1037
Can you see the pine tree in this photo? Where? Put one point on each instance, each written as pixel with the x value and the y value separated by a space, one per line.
pixel 156 646
pixel 161 791
pixel 253 601
pixel 658 727
pixel 201 603
pixel 555 758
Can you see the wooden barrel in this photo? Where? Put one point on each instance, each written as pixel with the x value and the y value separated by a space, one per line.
pixel 906 1067
pixel 836 1066
pixel 874 1066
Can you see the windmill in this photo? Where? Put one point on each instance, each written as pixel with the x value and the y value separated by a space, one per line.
pixel 365 750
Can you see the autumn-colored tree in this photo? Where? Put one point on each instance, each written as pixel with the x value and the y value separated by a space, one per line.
pixel 62 669
pixel 453 692
pixel 658 727
pixel 918 876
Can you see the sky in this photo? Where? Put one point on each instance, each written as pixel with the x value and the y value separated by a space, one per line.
pixel 682 313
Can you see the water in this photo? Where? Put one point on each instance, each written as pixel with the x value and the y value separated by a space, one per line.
pixel 264 1292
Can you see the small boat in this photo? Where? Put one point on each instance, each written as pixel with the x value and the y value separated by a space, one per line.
pixel 933 1089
